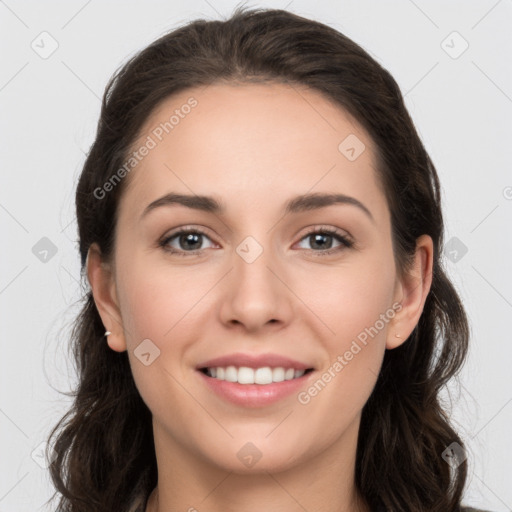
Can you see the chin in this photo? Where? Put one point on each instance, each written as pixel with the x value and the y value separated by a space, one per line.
pixel 254 457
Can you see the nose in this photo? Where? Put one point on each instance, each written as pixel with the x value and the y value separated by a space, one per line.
pixel 256 293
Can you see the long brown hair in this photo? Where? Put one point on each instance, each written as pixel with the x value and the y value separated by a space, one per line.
pixel 104 444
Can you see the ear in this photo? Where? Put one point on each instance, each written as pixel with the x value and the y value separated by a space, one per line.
pixel 101 280
pixel 411 292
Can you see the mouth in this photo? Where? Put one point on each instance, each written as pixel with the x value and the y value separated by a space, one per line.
pixel 263 376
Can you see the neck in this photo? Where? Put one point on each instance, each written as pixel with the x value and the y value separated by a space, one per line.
pixel 323 483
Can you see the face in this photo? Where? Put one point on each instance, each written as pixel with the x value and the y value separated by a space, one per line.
pixel 267 274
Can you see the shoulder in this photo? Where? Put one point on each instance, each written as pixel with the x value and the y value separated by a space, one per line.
pixel 138 505
pixel 139 497
pixel 471 509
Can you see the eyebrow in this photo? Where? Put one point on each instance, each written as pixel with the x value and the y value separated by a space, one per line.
pixel 296 205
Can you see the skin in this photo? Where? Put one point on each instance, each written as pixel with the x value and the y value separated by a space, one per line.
pixel 253 147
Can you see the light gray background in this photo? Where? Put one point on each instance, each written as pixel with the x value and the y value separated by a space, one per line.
pixel 461 106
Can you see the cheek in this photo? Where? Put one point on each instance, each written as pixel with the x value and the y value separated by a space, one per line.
pixel 158 305
pixel 156 301
pixel 353 303
pixel 350 297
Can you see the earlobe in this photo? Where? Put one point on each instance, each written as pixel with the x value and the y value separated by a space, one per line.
pixel 101 281
pixel 414 289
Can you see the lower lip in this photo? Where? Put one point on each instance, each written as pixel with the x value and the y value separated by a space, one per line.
pixel 254 395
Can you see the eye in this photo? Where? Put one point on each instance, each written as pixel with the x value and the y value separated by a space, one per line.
pixel 189 241
pixel 321 240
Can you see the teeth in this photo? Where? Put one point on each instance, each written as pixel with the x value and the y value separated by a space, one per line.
pixel 278 374
pixel 245 375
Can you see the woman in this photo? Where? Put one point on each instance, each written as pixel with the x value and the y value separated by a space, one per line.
pixel 269 322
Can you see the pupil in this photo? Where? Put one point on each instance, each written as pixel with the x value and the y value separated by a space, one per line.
pixel 189 237
pixel 318 237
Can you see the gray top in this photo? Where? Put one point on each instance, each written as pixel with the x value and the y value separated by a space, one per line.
pixel 140 504
pixel 139 500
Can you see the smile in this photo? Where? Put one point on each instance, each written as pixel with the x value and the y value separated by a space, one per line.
pixel 245 375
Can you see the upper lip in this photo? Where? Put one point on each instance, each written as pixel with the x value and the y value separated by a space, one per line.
pixel 254 361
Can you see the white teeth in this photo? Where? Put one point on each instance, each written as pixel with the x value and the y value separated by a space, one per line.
pixel 245 375
pixel 278 374
pixel 231 374
pixel 263 375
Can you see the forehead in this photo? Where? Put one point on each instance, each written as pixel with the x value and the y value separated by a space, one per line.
pixel 242 141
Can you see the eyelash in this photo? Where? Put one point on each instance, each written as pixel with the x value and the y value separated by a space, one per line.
pixel 346 243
